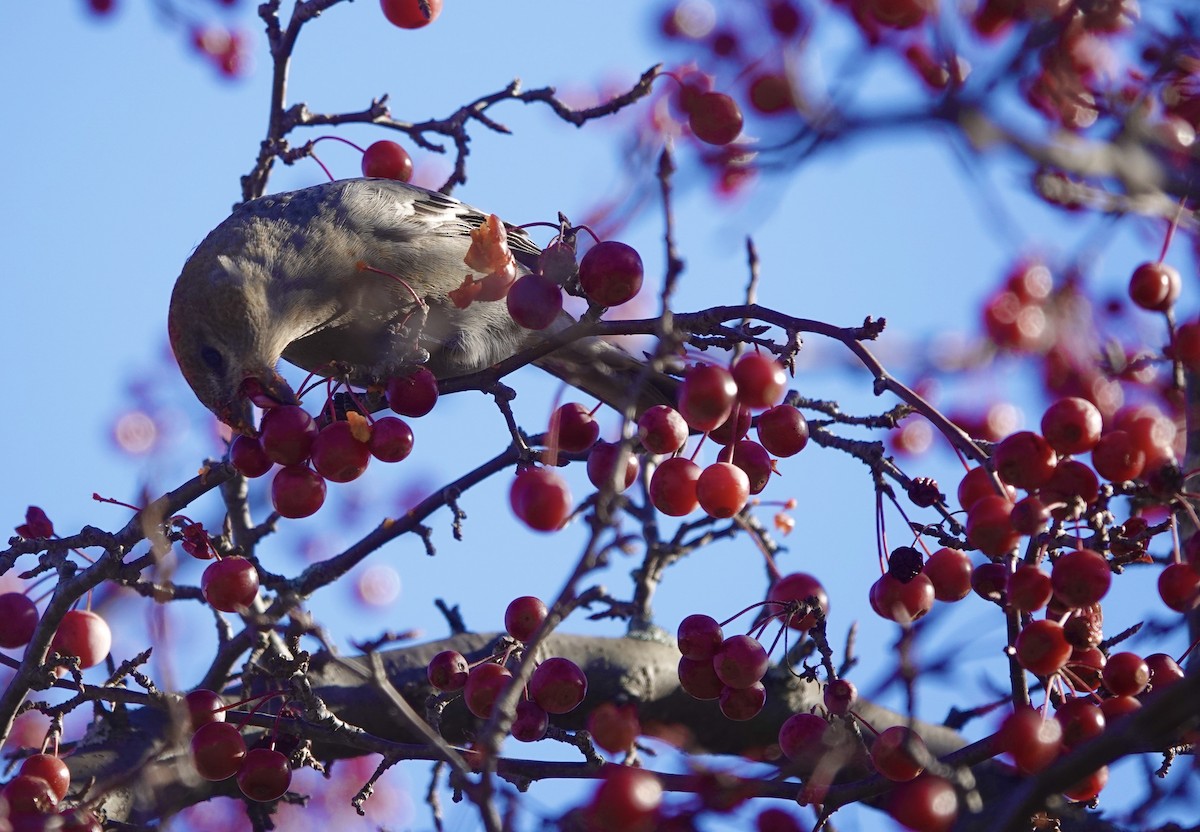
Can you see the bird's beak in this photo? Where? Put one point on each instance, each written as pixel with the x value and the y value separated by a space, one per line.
pixel 266 390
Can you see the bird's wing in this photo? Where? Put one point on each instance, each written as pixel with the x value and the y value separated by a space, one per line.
pixel 397 212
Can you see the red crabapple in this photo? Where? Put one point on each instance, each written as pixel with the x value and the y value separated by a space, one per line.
pixel 413 395
pixel 84 634
pixel 673 486
pixel 540 499
pixel 408 14
pixel 610 274
pixel 230 584
pixel 387 160
pixel 760 380
pixel 558 685
pixel 265 775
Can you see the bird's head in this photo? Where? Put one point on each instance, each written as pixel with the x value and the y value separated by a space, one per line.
pixel 221 330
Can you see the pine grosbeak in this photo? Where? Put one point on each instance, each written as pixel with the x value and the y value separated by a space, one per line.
pixel 283 277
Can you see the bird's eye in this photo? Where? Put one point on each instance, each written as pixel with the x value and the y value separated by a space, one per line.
pixel 213 359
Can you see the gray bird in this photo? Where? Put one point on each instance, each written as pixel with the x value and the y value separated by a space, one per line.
pixel 282 277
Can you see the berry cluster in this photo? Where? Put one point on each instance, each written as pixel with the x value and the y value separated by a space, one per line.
pixel 32 799
pixel 730 669
pixel 338 452
pixel 82 633
pixel 219 752
pixel 557 685
pixel 712 400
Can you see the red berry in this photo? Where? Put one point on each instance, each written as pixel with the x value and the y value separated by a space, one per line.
pixel 1164 671
pixel 287 433
pixel 783 430
pixel 740 661
pixel 610 273
pixel 575 428
pixel 1031 738
pixel 626 799
pixel 741 704
pixel 218 750
pixel 1187 345
pixel 662 430
pixel 523 617
pixel 601 461
pixel 530 722
pixel 699 636
pixel 1072 483
pixel 484 684
pixel 1042 647
pixel 297 491
pixel 949 570
pixel 989 526
pixel 714 118
pixel 1072 425
pixel 760 380
pixel 927 804
pixel 1029 588
pixel 1084 667
pixel 558 685
pixel 534 302
pixel 614 727
pixel 698 678
pixel 722 489
pixel 1089 788
pixel 786 18
pixel 409 14
pixel 1115 707
pixel 204 706
pixel 1080 578
pixel 265 775
pixel 733 428
pixel 801 739
pixel 391 439
pixel 18 619
pixel 771 93
pixel 897 753
pixel 1118 457
pixel 1081 720
pixel 1024 460
pixel 1029 516
pixel 413 395
pixel 1179 587
pixel 447 671
pixel 84 634
pixel 28 795
pixel 248 457
pixel 753 458
pixel 1126 674
pixel 230 584
pixel 798 586
pixel 902 602
pixel 707 396
pixel 387 160
pixel 540 499
pixel 1155 286
pixel 990 582
pixel 51 769
pixel 840 696
pixel 977 484
pixel 673 486
pixel 339 455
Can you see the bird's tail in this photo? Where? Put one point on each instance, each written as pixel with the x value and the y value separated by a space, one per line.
pixel 610 374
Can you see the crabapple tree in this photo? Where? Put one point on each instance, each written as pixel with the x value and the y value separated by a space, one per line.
pixel 824 690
